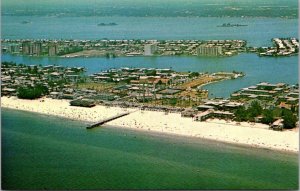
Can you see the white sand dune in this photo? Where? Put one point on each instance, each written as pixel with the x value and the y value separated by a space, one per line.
pixel 256 135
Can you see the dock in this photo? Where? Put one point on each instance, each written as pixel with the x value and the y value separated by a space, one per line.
pixel 107 120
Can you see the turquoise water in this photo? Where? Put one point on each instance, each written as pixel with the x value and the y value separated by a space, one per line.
pixel 257 69
pixel 259 31
pixel 43 152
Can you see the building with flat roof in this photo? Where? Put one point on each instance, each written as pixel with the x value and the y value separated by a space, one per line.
pixel 14 48
pixel 30 48
pixel 277 125
pixel 150 49
pixel 52 49
pixel 202 116
pixel 209 50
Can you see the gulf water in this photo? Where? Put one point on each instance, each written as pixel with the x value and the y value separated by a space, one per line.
pixel 45 152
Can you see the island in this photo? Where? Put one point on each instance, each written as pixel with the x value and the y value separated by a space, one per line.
pixel 107 24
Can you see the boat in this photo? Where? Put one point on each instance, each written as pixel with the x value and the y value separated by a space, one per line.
pixel 231 25
pixel 25 22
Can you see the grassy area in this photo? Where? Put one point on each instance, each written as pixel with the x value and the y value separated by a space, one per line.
pixel 174 102
pixel 96 86
pixel 193 94
pixel 197 82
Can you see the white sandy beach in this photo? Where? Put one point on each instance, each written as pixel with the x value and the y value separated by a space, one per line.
pixel 256 135
pixel 62 108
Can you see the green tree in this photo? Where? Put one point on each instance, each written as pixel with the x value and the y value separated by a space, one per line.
pixel 159 83
pixel 254 110
pixel 150 72
pixel 241 114
pixel 32 92
pixel 261 50
pixel 193 74
pixel 35 70
pixel 28 69
pixel 289 119
pixel 173 101
pixel 293 108
pixel 268 117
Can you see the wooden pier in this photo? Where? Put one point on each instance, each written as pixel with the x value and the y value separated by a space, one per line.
pixel 107 120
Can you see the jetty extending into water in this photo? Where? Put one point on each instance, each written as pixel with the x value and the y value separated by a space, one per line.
pixel 106 120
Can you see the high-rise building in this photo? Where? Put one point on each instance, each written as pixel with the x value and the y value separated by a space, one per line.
pixel 150 49
pixel 209 50
pixel 26 48
pixel 52 49
pixel 14 48
pixel 37 48
pixel 32 48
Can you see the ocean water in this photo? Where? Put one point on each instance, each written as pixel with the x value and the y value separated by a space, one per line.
pixel 46 152
pixel 257 69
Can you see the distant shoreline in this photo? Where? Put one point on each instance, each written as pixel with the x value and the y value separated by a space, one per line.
pixel 155 16
pixel 121 56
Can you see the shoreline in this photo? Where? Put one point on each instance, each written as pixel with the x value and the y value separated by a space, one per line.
pixel 250 135
pixel 71 55
pixel 202 86
pixel 172 135
pixel 194 139
pixel 47 115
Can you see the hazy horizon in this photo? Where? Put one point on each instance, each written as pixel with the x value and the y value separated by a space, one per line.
pixel 139 8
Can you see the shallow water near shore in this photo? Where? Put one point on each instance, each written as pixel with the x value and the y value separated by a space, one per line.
pixel 40 151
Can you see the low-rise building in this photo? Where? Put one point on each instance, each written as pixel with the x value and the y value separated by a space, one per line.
pixel 277 125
